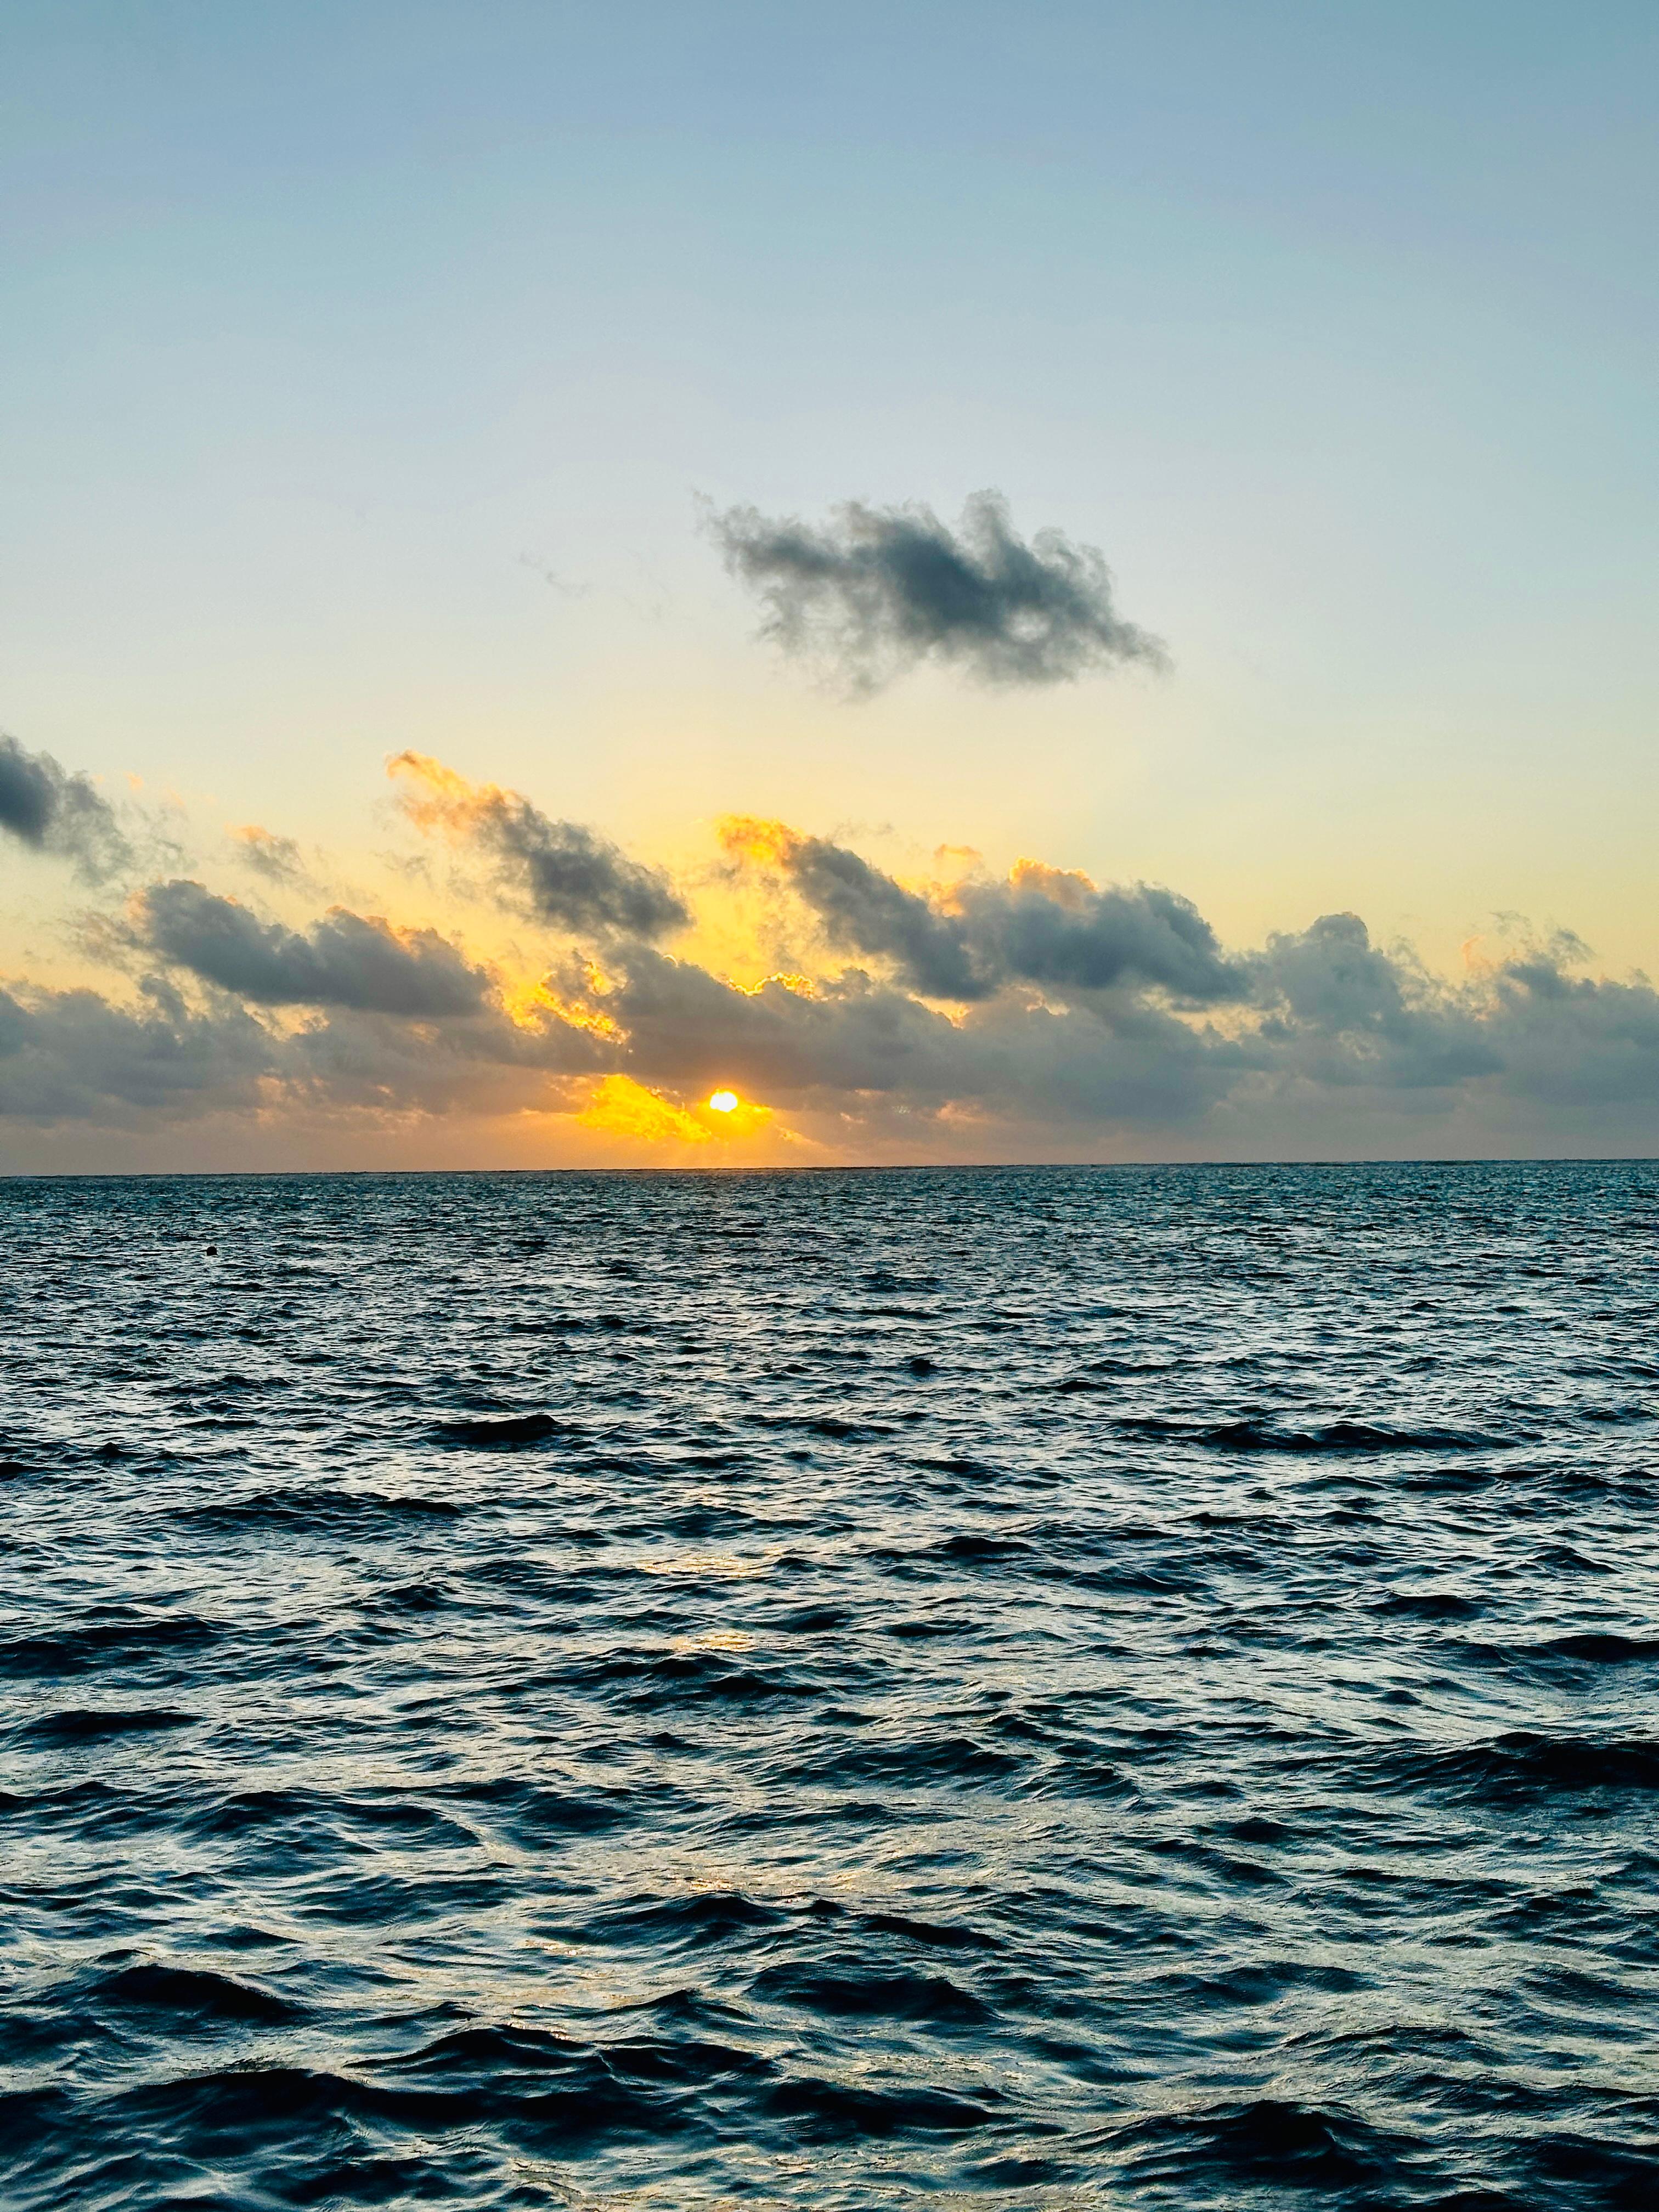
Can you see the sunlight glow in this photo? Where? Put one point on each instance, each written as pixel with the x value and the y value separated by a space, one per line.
pixel 622 1107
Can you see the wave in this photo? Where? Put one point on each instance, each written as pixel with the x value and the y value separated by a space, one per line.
pixel 532 1812
pixel 931 1997
pixel 825 2112
pixel 504 1434
pixel 1561 1659
pixel 123 1640
pixel 1522 1766
pixel 1428 1604
pixel 189 1998
pixel 1276 2142
pixel 1346 1438
pixel 98 1724
pixel 677 1678
pixel 325 1511
pixel 953 1761
pixel 704 1917
pixel 1598 1648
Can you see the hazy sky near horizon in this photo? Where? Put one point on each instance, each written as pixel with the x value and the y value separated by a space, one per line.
pixel 365 363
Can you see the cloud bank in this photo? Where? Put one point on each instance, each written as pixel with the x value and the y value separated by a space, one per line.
pixel 1032 1016
pixel 878 589
pixel 343 960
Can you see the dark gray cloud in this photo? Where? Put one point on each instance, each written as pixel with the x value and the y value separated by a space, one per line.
pixel 564 873
pixel 863 911
pixel 1090 939
pixel 158 1064
pixel 51 811
pixel 481 1064
pixel 344 960
pixel 880 589
pixel 580 881
pixel 1344 1012
pixel 1040 926
pixel 854 1038
pixel 72 1056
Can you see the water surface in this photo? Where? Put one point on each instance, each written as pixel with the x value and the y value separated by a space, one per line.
pixel 1050 1688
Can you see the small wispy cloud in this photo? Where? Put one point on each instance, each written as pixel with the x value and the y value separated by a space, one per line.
pixel 878 589
pixel 278 859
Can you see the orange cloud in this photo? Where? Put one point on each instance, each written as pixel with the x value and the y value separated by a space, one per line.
pixel 751 837
pixel 801 986
pixel 1067 887
pixel 442 799
pixel 527 1002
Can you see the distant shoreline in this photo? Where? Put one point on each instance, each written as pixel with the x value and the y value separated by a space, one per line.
pixel 818 1169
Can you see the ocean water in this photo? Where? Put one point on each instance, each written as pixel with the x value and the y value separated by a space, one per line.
pixel 1044 1688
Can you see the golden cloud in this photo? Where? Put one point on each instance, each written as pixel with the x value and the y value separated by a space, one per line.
pixel 752 837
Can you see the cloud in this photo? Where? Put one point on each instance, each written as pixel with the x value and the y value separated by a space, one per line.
pixel 1042 926
pixel 73 1056
pixel 563 873
pixel 158 1064
pixel 50 811
pixel 1343 1048
pixel 1343 1011
pixel 624 1108
pixel 881 588
pixel 873 1057
pixel 1340 1048
pixel 862 910
pixel 344 960
pixel 351 1063
pixel 277 859
pixel 1036 1016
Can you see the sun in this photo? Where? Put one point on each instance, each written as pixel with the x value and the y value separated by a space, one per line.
pixel 723 1102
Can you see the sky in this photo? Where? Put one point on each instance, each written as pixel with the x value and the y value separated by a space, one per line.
pixel 1110 547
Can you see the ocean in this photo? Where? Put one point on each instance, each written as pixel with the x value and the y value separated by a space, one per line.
pixel 1032 1688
